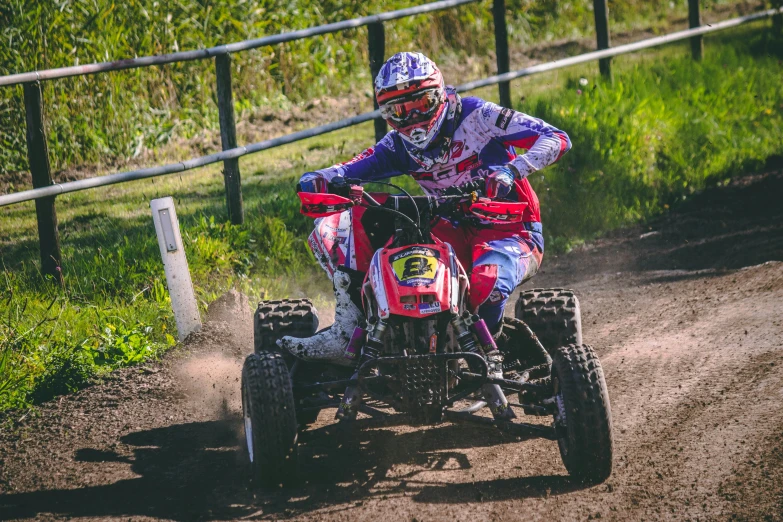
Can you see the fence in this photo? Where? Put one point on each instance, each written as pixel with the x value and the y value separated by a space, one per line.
pixel 45 190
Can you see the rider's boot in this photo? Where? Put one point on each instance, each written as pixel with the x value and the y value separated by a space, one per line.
pixel 349 406
pixel 352 398
pixel 329 344
pixel 487 347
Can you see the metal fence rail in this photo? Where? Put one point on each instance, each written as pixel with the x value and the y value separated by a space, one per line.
pixel 245 45
pixel 622 49
pixel 45 189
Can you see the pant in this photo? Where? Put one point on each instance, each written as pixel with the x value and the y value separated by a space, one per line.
pixel 498 259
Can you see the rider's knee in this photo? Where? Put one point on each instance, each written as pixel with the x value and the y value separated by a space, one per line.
pixel 483 282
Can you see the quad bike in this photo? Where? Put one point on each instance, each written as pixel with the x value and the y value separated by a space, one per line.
pixel 421 352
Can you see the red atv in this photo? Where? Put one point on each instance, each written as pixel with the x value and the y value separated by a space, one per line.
pixel 425 356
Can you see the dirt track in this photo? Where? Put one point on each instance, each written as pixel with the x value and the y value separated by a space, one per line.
pixel 686 314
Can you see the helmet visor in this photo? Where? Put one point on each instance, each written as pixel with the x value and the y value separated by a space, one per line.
pixel 412 109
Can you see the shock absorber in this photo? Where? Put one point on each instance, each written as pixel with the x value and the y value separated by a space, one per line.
pixel 465 338
pixel 374 344
pixel 352 398
pixel 473 336
pixel 483 335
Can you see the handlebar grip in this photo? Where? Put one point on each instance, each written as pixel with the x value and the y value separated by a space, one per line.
pixel 339 186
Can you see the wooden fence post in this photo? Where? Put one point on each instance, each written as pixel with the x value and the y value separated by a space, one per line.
pixel 777 18
pixel 501 49
pixel 376 40
pixel 228 137
pixel 694 21
pixel 601 12
pixel 38 158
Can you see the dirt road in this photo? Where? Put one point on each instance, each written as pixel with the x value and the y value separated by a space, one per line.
pixel 686 314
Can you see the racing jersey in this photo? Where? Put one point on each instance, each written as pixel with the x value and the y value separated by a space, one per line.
pixel 485 135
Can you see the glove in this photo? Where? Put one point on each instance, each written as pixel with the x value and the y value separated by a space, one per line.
pixel 500 181
pixel 312 182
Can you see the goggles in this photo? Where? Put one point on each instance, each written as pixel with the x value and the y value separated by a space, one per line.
pixel 412 109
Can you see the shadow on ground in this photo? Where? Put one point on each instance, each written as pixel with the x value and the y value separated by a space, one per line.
pixel 198 471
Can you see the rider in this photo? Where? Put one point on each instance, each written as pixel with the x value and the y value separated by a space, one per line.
pixel 441 140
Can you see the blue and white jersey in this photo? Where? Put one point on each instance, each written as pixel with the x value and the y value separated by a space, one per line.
pixel 484 135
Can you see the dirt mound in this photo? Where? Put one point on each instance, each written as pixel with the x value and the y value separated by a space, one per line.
pixel 686 321
pixel 230 307
pixel 209 376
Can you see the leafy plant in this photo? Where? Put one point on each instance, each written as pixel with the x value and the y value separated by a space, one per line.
pixel 65 371
pixel 117 345
pixel 662 130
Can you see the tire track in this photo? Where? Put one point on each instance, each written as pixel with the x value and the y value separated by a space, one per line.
pixel 690 334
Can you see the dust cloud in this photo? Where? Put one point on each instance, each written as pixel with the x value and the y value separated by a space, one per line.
pixel 210 377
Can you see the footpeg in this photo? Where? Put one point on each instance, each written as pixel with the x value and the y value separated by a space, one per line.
pixel 493 395
pixel 349 406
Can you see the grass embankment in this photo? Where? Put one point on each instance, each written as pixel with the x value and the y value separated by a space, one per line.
pixel 113 118
pixel 665 127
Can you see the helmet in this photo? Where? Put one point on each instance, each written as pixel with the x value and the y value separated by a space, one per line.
pixel 412 98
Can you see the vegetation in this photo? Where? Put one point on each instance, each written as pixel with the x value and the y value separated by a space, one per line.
pixel 664 128
pixel 116 117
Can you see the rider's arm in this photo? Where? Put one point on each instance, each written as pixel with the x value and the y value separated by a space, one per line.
pixel 376 163
pixel 545 144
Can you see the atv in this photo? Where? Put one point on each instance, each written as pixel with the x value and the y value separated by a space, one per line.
pixel 423 356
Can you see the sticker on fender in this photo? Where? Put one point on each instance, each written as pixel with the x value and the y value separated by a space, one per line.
pixel 429 308
pixel 415 266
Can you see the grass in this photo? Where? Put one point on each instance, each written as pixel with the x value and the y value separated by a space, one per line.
pixel 663 129
pixel 114 309
pixel 116 117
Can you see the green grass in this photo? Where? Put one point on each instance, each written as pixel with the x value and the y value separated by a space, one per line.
pixel 112 118
pixel 115 306
pixel 663 129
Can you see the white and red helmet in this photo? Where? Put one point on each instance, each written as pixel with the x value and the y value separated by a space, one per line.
pixel 412 98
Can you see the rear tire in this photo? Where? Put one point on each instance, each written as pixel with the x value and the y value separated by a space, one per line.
pixel 276 319
pixel 270 419
pixel 553 315
pixel 584 417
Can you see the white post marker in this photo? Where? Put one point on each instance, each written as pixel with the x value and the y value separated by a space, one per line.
pixel 183 299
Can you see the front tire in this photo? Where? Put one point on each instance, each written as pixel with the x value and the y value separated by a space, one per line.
pixel 583 418
pixel 270 419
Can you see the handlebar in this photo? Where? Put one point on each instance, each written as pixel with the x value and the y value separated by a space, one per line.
pixel 460 202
